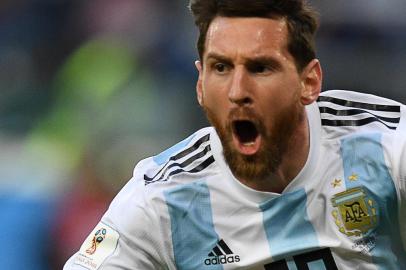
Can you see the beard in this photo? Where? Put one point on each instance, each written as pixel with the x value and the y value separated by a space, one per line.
pixel 274 145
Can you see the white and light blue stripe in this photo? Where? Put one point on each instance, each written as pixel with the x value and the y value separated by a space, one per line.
pixel 364 156
pixel 193 233
pixel 288 227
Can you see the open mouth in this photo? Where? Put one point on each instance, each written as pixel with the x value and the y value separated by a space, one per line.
pixel 245 131
pixel 246 136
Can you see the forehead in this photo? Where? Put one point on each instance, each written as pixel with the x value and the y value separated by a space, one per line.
pixel 247 36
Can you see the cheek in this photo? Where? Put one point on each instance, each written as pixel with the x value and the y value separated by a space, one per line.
pixel 284 91
pixel 277 100
pixel 214 96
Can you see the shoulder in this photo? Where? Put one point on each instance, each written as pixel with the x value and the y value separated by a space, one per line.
pixel 190 157
pixel 347 112
pixel 141 202
pixel 187 161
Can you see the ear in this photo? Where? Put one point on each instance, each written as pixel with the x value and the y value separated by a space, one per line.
pixel 199 86
pixel 311 80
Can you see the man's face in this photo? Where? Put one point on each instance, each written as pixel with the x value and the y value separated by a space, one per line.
pixel 251 91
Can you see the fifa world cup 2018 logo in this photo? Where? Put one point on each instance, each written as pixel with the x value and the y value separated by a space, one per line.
pixel 98 237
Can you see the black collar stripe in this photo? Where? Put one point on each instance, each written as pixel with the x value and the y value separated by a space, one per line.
pixel 361 122
pixel 197 169
pixel 181 165
pixel 351 112
pixel 180 155
pixel 360 105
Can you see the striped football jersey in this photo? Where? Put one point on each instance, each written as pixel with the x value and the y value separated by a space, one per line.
pixel 346 209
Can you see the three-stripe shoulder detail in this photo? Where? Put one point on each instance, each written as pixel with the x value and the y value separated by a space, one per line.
pixel 189 157
pixel 337 112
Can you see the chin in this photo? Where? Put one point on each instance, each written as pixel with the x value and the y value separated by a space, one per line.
pixel 253 167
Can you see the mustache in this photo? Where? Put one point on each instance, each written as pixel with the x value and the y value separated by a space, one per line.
pixel 243 114
pixel 246 114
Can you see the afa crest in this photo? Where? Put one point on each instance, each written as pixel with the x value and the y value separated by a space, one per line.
pixel 355 213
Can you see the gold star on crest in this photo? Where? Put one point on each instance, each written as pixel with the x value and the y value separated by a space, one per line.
pixel 353 177
pixel 336 183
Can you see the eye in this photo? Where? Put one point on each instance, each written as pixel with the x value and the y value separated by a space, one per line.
pixel 220 67
pixel 259 68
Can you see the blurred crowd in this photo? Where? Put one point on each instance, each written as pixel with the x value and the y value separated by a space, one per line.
pixel 88 88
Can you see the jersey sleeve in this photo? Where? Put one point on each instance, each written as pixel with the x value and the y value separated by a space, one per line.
pixel 127 237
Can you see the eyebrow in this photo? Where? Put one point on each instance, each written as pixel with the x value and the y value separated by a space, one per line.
pixel 265 61
pixel 259 60
pixel 218 57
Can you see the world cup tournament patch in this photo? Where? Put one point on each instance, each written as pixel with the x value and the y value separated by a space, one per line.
pixel 99 245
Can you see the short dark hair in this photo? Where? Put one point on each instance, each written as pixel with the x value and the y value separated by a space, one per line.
pixel 301 19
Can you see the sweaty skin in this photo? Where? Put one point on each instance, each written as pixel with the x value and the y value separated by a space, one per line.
pixel 247 73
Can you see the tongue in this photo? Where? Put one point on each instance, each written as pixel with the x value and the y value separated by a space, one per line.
pixel 247 148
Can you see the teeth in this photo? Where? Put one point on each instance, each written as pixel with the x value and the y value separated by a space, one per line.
pixel 248 143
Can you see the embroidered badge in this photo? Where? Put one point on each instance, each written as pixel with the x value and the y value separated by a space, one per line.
pixel 355 213
pixel 353 177
pixel 336 183
pixel 99 245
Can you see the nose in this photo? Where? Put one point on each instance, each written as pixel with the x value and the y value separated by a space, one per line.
pixel 239 92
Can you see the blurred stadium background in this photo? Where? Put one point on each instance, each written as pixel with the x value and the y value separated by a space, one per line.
pixel 88 88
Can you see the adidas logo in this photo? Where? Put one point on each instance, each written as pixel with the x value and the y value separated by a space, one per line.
pixel 221 254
